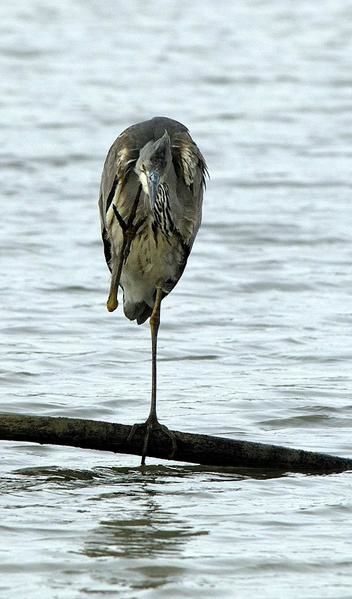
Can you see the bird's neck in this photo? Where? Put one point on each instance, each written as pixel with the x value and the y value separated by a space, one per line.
pixel 162 211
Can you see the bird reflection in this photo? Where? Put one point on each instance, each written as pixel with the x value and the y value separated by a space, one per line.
pixel 147 531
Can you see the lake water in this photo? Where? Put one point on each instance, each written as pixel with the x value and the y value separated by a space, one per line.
pixel 255 341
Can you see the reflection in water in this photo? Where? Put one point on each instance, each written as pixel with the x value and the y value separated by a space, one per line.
pixel 147 530
pixel 154 535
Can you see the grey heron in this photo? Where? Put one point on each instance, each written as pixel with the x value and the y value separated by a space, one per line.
pixel 150 205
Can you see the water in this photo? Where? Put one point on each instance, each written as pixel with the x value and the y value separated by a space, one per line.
pixel 255 339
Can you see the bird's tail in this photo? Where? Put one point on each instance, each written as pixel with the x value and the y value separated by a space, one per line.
pixel 139 311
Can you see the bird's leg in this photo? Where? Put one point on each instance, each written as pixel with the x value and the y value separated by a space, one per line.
pixel 152 421
pixel 128 232
pixel 113 302
pixel 154 328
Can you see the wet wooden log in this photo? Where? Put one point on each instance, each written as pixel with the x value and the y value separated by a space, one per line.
pixel 191 447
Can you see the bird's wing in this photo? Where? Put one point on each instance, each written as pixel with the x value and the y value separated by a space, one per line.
pixel 118 165
pixel 191 172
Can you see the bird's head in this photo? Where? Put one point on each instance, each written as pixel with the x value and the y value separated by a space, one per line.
pixel 153 164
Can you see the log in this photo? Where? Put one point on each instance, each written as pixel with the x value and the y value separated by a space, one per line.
pixel 191 447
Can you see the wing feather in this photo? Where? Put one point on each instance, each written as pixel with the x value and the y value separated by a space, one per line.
pixel 191 172
pixel 119 163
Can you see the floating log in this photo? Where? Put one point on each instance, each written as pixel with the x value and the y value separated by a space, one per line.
pixel 191 447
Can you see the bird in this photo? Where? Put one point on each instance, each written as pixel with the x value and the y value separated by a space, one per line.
pixel 150 205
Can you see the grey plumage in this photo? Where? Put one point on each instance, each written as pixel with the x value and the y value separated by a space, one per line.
pixel 150 204
pixel 160 248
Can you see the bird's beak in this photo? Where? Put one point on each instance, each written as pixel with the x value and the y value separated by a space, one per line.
pixel 153 186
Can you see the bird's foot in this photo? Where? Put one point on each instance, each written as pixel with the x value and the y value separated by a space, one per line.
pixel 112 302
pixel 153 424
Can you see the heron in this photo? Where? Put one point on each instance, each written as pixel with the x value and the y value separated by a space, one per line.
pixel 150 205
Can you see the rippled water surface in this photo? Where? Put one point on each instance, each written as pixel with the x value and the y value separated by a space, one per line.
pixel 255 340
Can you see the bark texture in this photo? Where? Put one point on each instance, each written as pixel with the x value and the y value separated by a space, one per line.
pixel 191 447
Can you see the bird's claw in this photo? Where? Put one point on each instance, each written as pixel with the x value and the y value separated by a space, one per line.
pixel 152 424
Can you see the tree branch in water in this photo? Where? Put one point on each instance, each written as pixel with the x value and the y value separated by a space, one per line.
pixel 191 447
